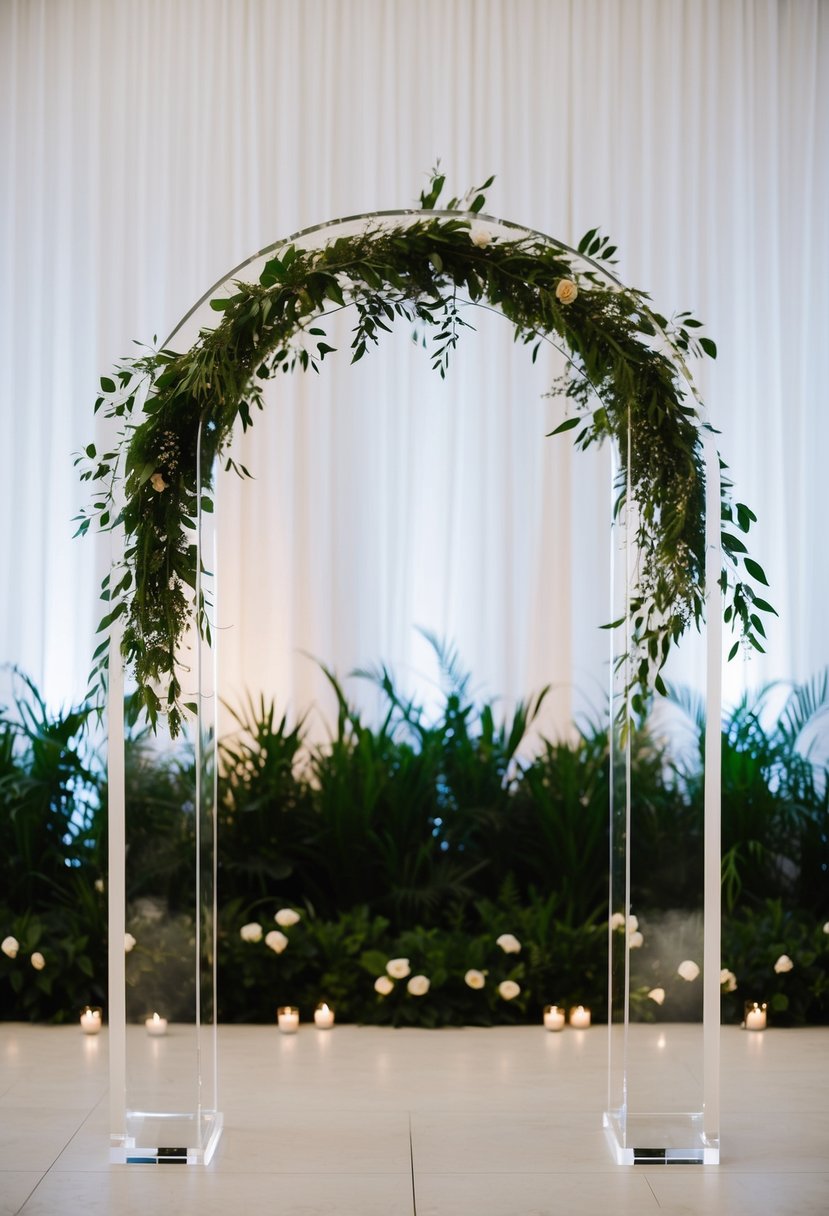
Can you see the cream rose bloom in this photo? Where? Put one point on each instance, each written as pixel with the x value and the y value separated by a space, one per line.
pixel 508 989
pixel 474 979
pixel 688 970
pixel 129 943
pixel 251 932
pixel 617 920
pixel 784 963
pixel 286 917
pixel 398 968
pixel 99 885
pixel 635 940
pixel 418 985
pixel 566 291
pixel 826 927
pixel 38 961
pixel 10 946
pixel 633 923
pixel 276 941
pixel 158 483
pixel 480 236
pixel 383 985
pixel 657 995
pixel 508 943
pixel 728 980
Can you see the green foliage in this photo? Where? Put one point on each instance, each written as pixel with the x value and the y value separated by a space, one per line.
pixel 628 380
pixel 418 838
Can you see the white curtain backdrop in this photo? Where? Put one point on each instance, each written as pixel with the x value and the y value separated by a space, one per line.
pixel 149 145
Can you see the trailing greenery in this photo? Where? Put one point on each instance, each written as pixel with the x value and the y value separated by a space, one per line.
pixel 628 380
pixel 425 839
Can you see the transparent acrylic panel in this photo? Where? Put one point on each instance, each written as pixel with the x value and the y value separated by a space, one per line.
pixel 168 1071
pixel 663 1032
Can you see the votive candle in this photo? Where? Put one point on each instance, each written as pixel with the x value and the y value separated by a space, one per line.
pixel 91 1019
pixel 580 1017
pixel 323 1016
pixel 554 1018
pixel 156 1026
pixel 755 1016
pixel 287 1018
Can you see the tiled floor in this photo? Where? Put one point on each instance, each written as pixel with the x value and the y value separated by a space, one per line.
pixel 375 1122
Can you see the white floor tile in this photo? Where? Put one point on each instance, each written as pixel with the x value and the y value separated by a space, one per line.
pixel 713 1192
pixel 623 1193
pixel 15 1188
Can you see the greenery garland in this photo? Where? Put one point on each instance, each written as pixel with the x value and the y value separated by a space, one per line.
pixel 627 370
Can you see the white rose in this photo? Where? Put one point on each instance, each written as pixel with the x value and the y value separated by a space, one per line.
pixel 635 940
pixel 286 917
pixel 251 932
pixel 688 970
pixel 633 923
pixel 617 920
pixel 566 291
pixel 158 483
pixel 129 942
pixel 784 963
pixel 728 980
pixel 508 989
pixel 38 961
pixel 383 985
pixel 508 943
pixel 479 235
pixel 276 941
pixel 657 995
pixel 99 885
pixel 475 979
pixel 10 946
pixel 826 927
pixel 418 985
pixel 398 968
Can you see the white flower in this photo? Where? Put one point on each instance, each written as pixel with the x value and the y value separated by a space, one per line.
pixel 99 885
pixel 826 927
pixel 286 917
pixel 479 235
pixel 398 968
pixel 617 920
pixel 566 291
pixel 10 946
pixel 38 961
pixel 418 985
pixel 635 940
pixel 475 979
pixel 158 483
pixel 508 989
pixel 276 941
pixel 508 943
pixel 633 923
pixel 129 942
pixel 383 985
pixel 251 932
pixel 688 970
pixel 657 995
pixel 728 980
pixel 784 963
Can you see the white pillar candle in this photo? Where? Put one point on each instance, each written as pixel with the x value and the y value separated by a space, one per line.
pixel 579 1017
pixel 755 1016
pixel 287 1018
pixel 553 1017
pixel 156 1026
pixel 324 1016
pixel 91 1020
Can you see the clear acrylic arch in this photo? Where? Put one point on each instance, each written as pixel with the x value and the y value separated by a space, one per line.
pixel 663 1079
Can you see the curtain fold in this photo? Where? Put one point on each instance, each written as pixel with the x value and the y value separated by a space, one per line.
pixel 150 145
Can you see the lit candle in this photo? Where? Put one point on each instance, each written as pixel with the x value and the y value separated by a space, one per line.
pixel 755 1016
pixel 91 1020
pixel 579 1017
pixel 287 1017
pixel 324 1016
pixel 553 1017
pixel 156 1026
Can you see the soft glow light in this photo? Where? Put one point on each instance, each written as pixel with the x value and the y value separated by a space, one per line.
pixel 580 1017
pixel 323 1017
pixel 156 1026
pixel 287 1019
pixel 554 1018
